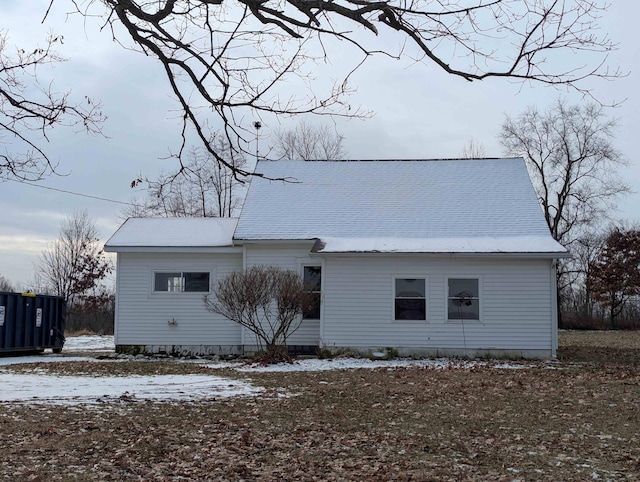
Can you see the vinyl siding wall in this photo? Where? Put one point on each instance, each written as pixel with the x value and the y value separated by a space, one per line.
pixel 142 316
pixel 517 307
pixel 516 304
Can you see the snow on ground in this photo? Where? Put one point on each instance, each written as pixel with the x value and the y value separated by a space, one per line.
pixel 44 358
pixel 89 343
pixel 313 364
pixel 98 344
pixel 72 390
pixel 58 389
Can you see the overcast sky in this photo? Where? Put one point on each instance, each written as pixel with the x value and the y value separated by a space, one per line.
pixel 419 113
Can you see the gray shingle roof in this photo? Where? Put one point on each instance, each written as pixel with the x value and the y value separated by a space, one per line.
pixel 419 200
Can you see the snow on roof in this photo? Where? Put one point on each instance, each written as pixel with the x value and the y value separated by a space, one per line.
pixel 436 205
pixel 506 244
pixel 173 232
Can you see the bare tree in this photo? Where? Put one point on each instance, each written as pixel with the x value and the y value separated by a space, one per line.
pixel 29 109
pixel 310 142
pixel 578 301
pixel 239 59
pixel 572 161
pixel 201 188
pixel 473 150
pixel 5 284
pixel 266 300
pixel 74 264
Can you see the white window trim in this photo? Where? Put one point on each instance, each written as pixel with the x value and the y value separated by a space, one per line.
pixel 480 298
pixel 302 263
pixel 426 297
pixel 181 271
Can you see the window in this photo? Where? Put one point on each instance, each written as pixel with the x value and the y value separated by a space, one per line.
pixel 312 276
pixel 463 299
pixel 410 299
pixel 181 282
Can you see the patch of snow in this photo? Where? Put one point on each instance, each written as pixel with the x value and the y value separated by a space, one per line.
pixel 316 365
pixel 44 358
pixel 73 390
pixel 89 343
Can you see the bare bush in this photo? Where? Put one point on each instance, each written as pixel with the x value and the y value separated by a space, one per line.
pixel 266 300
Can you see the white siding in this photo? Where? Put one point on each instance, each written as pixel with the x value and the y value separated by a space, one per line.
pixel 516 310
pixel 357 302
pixel 291 257
pixel 142 316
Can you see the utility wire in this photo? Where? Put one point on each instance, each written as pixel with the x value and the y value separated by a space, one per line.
pixel 74 193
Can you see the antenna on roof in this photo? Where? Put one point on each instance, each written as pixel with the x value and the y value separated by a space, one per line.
pixel 258 126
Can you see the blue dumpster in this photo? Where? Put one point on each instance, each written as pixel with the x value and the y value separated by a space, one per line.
pixel 30 322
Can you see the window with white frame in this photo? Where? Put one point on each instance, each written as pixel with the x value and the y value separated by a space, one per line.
pixel 463 299
pixel 312 277
pixel 181 281
pixel 410 299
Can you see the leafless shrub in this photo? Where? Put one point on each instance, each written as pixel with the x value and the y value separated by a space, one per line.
pixel 266 300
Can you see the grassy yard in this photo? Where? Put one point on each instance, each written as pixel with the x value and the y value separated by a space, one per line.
pixel 576 419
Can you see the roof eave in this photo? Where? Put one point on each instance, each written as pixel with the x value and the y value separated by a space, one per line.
pixel 503 254
pixel 173 249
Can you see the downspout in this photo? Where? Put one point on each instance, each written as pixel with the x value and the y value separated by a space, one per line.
pixel 115 305
pixel 244 267
pixel 554 307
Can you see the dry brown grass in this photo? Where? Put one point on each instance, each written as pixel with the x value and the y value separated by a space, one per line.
pixel 550 422
pixel 600 339
pixel 83 332
pixel 601 347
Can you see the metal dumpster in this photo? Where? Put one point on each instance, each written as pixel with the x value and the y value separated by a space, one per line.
pixel 30 322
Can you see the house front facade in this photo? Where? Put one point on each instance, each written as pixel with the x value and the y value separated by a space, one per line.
pixel 420 258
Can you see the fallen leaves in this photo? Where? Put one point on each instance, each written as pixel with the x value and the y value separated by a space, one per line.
pixel 566 422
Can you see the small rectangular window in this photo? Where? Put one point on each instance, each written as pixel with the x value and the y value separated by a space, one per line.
pixel 188 282
pixel 410 299
pixel 463 299
pixel 312 277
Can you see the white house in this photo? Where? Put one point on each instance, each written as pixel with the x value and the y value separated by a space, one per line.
pixel 427 257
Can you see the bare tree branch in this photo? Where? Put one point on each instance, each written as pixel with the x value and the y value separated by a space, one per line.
pixel 30 109
pixel 238 59
pixel 201 188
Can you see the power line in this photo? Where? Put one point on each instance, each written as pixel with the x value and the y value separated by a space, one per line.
pixel 74 193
